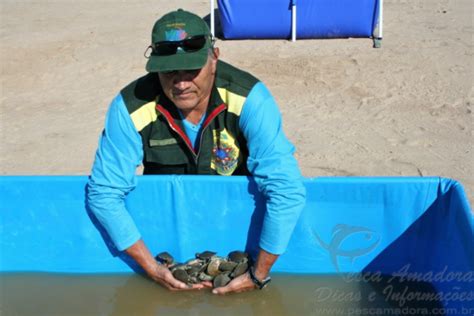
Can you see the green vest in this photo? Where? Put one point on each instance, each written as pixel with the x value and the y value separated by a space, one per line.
pixel 166 147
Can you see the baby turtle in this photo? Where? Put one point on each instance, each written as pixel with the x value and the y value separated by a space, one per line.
pixel 213 266
pixel 205 277
pixel 238 256
pixel 227 266
pixel 193 270
pixel 181 275
pixel 195 262
pixel 240 269
pixel 178 266
pixel 194 279
pixel 206 255
pixel 165 258
pixel 221 280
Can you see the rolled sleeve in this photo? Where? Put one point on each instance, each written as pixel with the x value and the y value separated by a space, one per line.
pixel 113 175
pixel 273 167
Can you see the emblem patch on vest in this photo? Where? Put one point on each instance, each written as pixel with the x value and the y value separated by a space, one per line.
pixel 225 153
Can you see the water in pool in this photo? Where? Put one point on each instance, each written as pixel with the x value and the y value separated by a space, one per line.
pixel 132 294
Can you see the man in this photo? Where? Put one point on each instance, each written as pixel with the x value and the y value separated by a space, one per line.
pixel 194 114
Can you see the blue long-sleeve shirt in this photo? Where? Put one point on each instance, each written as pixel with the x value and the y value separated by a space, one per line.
pixel 270 162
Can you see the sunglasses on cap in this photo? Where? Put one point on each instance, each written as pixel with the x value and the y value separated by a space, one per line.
pixel 190 44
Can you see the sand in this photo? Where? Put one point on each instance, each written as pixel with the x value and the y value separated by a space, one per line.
pixel 350 109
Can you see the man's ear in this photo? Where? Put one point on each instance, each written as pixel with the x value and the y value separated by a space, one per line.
pixel 215 57
pixel 216 52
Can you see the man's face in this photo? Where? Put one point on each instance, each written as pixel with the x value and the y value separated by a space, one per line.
pixel 190 89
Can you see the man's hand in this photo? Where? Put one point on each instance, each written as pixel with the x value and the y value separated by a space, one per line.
pixel 241 283
pixel 157 272
pixel 244 283
pixel 163 276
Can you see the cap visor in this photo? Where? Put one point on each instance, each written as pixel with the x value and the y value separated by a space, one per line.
pixel 178 61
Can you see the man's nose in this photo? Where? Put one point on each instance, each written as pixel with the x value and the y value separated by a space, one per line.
pixel 183 76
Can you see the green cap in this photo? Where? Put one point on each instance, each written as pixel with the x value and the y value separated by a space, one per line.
pixel 177 26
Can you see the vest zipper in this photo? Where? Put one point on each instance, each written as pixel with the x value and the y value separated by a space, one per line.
pixel 206 123
pixel 183 136
pixel 176 129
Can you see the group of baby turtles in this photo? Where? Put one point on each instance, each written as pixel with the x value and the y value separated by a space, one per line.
pixel 207 266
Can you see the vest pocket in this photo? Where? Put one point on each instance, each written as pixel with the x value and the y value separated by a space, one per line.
pixel 165 156
pixel 162 142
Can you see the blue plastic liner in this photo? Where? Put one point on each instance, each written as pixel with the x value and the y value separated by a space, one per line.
pixel 252 19
pixel 377 225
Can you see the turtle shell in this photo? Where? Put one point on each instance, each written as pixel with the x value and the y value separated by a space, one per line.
pixel 238 256
pixel 205 277
pixel 164 258
pixel 181 275
pixel 227 266
pixel 221 280
pixel 205 255
pixel 240 269
pixel 213 266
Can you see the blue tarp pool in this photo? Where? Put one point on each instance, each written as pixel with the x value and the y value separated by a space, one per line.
pixel 422 227
pixel 244 19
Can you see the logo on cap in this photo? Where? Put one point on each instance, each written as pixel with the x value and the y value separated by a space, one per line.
pixel 175 35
